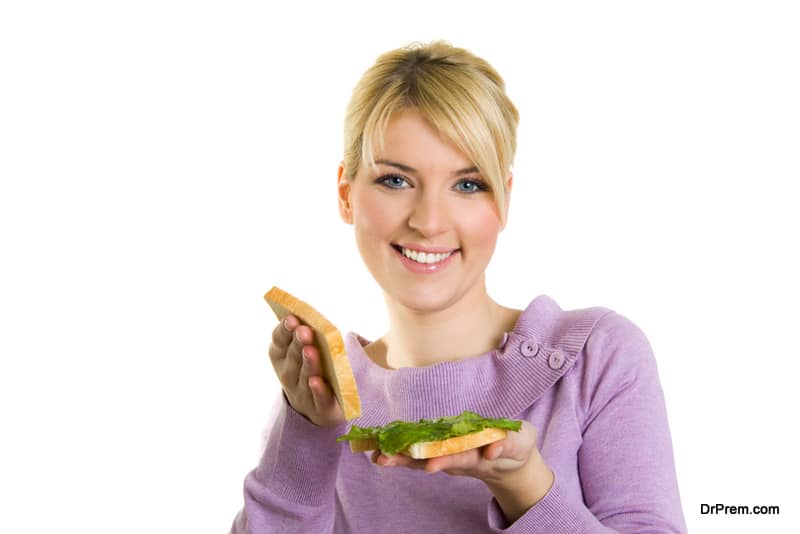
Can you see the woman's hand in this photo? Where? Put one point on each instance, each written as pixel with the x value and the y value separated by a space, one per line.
pixel 297 363
pixel 512 468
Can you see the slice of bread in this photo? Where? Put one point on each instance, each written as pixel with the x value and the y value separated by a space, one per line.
pixel 335 365
pixel 432 449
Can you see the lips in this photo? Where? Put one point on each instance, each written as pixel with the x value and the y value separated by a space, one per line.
pixel 424 267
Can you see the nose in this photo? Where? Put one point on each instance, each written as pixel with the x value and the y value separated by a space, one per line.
pixel 429 214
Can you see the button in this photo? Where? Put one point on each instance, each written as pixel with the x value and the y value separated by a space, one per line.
pixel 529 348
pixel 556 360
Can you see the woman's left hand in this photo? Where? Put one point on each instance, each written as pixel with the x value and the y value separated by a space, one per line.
pixel 512 468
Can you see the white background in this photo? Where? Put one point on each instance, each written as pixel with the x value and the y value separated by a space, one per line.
pixel 163 164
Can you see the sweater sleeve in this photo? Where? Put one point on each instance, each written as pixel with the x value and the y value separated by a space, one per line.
pixel 292 488
pixel 625 461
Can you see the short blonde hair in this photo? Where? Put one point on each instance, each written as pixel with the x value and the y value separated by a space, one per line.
pixel 458 93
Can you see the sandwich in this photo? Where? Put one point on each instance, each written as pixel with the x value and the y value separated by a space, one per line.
pixel 426 438
pixel 429 438
pixel 336 368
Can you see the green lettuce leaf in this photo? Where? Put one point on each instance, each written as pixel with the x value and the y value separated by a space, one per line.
pixel 398 435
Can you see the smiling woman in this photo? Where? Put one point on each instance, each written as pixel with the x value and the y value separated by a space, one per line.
pixel 426 181
pixel 427 235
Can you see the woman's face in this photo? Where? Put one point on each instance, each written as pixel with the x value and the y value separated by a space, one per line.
pixel 425 196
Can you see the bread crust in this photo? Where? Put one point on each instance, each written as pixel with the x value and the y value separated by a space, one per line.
pixel 432 449
pixel 333 359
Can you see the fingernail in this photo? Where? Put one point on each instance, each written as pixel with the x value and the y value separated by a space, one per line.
pixel 286 325
pixel 303 352
pixel 497 452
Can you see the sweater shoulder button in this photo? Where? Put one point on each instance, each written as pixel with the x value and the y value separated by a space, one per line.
pixel 529 348
pixel 556 360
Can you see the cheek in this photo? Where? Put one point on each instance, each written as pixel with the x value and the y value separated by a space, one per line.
pixel 482 226
pixel 373 217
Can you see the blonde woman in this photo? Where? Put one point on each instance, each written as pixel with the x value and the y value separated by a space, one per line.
pixel 430 137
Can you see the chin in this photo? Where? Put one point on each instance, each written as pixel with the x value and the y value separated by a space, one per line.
pixel 425 301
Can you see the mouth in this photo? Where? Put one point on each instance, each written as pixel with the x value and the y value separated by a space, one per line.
pixel 424 258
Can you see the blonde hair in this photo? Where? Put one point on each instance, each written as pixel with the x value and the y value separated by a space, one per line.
pixel 458 93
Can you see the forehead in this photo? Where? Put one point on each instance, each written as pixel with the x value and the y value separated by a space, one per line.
pixel 410 139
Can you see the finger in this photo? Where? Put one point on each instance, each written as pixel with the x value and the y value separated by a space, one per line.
pixel 310 367
pixel 462 461
pixel 290 371
pixel 518 445
pixel 282 336
pixel 305 334
pixel 495 450
pixel 303 339
pixel 399 460
pixel 324 398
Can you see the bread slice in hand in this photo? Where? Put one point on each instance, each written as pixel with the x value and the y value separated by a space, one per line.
pixel 335 365
pixel 428 438
pixel 432 449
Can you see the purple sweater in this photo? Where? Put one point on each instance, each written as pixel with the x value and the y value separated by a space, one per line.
pixel 587 381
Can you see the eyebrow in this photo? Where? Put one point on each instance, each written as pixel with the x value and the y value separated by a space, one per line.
pixel 406 168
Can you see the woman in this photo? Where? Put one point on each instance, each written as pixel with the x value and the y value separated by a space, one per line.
pixel 430 137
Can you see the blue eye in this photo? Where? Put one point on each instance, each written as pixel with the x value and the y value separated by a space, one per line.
pixel 393 181
pixel 472 186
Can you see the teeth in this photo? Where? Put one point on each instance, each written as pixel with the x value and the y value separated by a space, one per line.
pixel 423 257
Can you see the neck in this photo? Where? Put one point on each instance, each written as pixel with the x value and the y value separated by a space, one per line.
pixel 471 326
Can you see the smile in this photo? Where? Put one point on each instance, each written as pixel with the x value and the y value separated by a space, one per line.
pixel 424 262
pixel 424 257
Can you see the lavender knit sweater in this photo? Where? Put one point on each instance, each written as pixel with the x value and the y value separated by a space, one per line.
pixel 587 381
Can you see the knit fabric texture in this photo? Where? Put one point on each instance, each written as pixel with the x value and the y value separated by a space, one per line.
pixel 585 379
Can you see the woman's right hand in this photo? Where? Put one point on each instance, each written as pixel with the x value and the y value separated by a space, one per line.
pixel 297 363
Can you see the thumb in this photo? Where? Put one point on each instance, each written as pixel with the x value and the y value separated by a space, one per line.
pixel 493 451
pixel 516 445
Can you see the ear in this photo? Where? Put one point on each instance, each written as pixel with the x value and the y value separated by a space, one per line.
pixel 509 183
pixel 345 207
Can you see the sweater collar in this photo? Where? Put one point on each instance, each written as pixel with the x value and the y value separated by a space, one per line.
pixel 540 349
